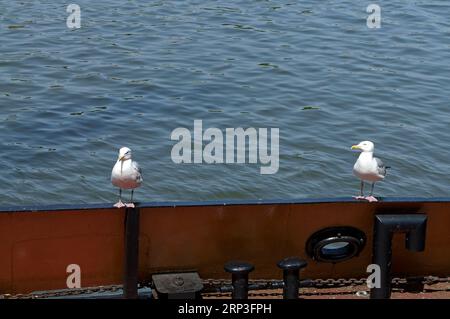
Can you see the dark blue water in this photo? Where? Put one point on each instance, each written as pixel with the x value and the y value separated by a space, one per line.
pixel 136 70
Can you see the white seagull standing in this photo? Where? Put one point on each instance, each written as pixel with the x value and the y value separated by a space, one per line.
pixel 368 168
pixel 126 174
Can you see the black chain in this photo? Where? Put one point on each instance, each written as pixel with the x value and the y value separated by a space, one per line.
pixel 222 288
pixel 397 283
pixel 64 293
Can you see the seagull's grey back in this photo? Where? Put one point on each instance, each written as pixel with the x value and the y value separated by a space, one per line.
pixel 139 170
pixel 380 166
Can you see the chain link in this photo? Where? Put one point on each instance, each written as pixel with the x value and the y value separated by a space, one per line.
pixel 215 287
pixel 332 283
pixel 397 283
pixel 64 293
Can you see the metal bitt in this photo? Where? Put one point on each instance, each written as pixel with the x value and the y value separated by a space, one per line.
pixel 130 282
pixel 239 278
pixel 291 269
pixel 413 225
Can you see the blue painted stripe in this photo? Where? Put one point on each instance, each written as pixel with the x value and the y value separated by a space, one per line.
pixel 81 207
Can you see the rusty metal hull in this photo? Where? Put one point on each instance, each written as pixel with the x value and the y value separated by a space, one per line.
pixel 38 243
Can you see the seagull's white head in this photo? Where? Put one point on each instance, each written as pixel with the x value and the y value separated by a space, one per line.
pixel 364 146
pixel 124 154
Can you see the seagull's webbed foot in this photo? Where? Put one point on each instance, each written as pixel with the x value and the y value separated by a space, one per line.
pixel 119 204
pixel 130 205
pixel 371 199
pixel 359 197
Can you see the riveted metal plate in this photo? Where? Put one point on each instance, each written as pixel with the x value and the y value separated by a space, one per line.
pixel 176 283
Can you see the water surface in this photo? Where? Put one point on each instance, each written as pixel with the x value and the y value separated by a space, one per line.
pixel 136 70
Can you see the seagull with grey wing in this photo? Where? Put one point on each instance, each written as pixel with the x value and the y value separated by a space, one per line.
pixel 126 174
pixel 368 168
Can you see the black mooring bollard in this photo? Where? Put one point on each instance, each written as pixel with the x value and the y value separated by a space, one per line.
pixel 414 225
pixel 239 278
pixel 291 276
pixel 131 263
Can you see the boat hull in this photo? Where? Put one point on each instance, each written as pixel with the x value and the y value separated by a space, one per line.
pixel 37 244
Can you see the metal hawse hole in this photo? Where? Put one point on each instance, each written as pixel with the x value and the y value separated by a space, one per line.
pixel 335 244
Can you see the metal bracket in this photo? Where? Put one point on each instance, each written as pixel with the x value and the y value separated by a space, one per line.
pixel 178 285
pixel 413 225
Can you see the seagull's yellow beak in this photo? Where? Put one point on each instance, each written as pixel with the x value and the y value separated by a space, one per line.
pixel 121 158
pixel 356 147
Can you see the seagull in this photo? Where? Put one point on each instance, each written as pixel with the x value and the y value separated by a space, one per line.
pixel 368 168
pixel 126 174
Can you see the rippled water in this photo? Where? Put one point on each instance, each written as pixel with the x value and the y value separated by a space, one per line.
pixel 136 70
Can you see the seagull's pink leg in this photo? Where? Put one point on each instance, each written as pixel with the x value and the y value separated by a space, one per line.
pixel 130 204
pixel 360 197
pixel 119 204
pixel 371 199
